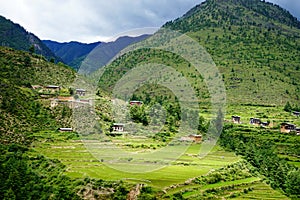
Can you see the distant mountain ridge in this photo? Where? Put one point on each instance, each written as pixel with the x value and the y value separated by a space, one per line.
pixel 73 53
pixel 15 36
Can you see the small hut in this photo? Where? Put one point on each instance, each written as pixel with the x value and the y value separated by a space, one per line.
pixel 287 127
pixel 65 129
pixel 296 113
pixel 118 127
pixel 255 121
pixel 80 92
pixel 196 138
pixel 53 87
pixel 137 103
pixel 236 119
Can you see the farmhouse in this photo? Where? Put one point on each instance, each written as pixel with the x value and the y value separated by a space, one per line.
pixel 191 138
pixel 287 127
pixel 255 121
pixel 138 103
pixel 80 92
pixel 65 129
pixel 118 127
pixel 236 119
pixel 298 131
pixel 68 101
pixel 196 138
pixel 296 113
pixel 53 87
pixel 264 124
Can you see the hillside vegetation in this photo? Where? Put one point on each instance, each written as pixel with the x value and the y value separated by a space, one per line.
pixel 15 36
pixel 256 52
pixel 255 45
pixel 21 109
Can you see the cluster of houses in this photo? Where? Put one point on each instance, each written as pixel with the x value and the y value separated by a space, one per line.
pixel 284 127
pixel 57 88
pixel 68 101
pixel 254 121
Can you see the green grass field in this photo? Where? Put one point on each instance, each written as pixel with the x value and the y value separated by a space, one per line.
pixel 250 188
pixel 81 163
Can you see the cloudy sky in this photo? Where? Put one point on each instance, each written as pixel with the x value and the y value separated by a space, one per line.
pixel 100 20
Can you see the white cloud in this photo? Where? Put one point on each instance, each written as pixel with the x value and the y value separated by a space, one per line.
pixel 94 20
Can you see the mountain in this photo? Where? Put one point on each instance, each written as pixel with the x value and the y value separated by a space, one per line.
pixel 254 44
pixel 73 53
pixel 15 36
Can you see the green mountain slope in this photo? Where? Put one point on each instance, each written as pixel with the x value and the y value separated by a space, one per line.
pixel 15 36
pixel 254 44
pixel 22 112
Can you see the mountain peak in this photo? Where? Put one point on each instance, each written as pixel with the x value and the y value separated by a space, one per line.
pixel 214 13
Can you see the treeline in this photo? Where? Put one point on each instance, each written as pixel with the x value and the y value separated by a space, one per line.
pixel 289 107
pixel 24 177
pixel 32 176
pixel 21 111
pixel 162 109
pixel 262 155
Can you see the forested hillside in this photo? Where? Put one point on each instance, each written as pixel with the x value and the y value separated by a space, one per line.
pixel 255 52
pixel 15 36
pixel 255 45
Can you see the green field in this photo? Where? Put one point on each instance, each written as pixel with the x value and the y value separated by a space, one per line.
pixel 81 163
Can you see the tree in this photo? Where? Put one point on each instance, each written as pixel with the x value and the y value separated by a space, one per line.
pixel 288 107
pixel 32 49
pixel 293 183
pixel 27 61
pixel 138 114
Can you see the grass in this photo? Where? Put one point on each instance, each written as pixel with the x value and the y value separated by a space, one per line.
pixel 81 163
pixel 219 185
pixel 251 188
pixel 262 191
